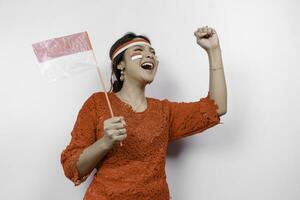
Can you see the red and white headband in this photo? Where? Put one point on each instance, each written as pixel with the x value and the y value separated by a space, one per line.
pixel 126 45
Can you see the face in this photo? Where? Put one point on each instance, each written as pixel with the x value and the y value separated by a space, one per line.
pixel 140 63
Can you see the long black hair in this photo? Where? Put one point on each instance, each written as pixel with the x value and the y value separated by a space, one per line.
pixel 117 84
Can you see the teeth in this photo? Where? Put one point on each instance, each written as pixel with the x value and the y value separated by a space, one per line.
pixel 148 63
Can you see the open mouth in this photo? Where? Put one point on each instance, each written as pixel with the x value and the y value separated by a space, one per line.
pixel 147 65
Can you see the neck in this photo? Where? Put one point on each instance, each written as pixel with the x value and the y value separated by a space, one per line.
pixel 132 91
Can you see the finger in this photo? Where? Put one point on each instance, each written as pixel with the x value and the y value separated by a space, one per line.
pixel 209 30
pixel 118 132
pixel 205 29
pixel 116 119
pixel 120 137
pixel 198 30
pixel 123 130
pixel 198 33
pixel 123 121
pixel 114 133
pixel 110 133
pixel 203 35
pixel 202 29
pixel 114 126
pixel 214 31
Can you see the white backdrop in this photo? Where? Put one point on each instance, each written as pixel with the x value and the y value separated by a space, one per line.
pixel 253 155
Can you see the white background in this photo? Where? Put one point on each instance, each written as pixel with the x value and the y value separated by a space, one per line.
pixel 253 155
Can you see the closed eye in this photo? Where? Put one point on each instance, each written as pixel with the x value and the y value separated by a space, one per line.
pixel 152 51
pixel 139 49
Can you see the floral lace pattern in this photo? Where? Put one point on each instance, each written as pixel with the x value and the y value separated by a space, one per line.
pixel 135 170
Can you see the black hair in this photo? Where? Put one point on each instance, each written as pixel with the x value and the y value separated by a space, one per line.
pixel 117 84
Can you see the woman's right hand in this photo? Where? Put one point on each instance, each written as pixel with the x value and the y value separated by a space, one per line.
pixel 114 130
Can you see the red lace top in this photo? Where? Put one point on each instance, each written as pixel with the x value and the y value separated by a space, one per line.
pixel 135 170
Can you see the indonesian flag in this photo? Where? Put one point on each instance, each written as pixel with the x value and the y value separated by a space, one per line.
pixel 65 56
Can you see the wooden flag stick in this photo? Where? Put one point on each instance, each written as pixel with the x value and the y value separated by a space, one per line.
pixel 103 87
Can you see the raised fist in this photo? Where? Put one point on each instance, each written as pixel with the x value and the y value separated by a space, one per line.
pixel 207 38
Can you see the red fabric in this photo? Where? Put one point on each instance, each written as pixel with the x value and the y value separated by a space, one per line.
pixel 135 170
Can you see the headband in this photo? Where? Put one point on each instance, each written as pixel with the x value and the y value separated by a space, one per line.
pixel 126 45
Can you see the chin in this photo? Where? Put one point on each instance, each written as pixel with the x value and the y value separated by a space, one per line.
pixel 148 81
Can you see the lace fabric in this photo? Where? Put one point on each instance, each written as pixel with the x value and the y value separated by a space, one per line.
pixel 135 170
pixel 188 118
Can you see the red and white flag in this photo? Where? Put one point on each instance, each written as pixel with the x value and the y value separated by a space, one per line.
pixel 65 56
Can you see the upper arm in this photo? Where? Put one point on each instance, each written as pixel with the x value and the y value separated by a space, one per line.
pixel 188 118
pixel 83 134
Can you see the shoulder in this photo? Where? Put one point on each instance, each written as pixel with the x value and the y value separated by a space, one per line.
pixel 156 100
pixel 99 99
pixel 93 101
pixel 99 102
pixel 98 95
pixel 162 101
pixel 162 104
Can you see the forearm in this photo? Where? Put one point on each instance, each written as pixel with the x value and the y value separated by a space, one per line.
pixel 92 155
pixel 217 83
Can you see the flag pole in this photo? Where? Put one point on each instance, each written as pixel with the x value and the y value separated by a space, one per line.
pixel 103 87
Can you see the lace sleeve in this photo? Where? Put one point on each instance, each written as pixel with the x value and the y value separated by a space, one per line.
pixel 188 118
pixel 82 135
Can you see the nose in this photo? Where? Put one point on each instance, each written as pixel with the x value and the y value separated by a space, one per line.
pixel 150 55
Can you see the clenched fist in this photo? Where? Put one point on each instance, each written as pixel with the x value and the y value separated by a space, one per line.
pixel 207 38
pixel 114 130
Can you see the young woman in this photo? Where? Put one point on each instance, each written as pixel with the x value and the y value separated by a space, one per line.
pixel 145 125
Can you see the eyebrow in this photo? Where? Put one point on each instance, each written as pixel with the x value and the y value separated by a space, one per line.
pixel 139 46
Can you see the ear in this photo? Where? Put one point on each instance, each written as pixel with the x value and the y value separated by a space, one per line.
pixel 121 65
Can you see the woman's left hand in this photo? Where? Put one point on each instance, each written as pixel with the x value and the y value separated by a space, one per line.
pixel 207 38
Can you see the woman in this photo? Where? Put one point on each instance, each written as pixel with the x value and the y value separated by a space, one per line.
pixel 145 125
